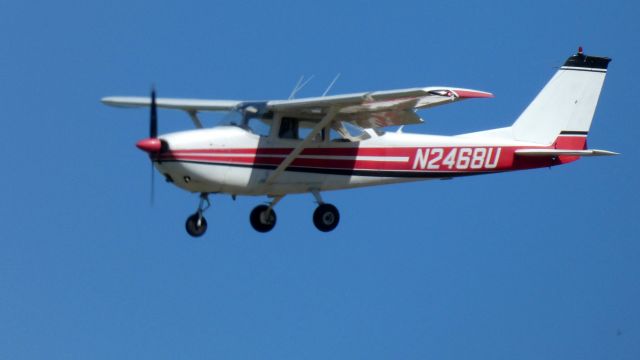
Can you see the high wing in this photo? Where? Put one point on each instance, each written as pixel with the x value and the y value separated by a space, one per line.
pixel 374 109
pixel 367 109
pixel 187 105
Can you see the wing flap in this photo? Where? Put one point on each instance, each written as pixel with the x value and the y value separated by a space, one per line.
pixel 380 119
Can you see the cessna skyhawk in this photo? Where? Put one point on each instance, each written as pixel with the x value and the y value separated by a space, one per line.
pixel 316 144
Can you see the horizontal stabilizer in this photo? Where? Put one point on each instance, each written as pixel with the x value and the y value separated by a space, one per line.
pixel 560 152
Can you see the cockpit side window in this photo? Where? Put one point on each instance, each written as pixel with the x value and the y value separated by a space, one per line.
pixel 289 128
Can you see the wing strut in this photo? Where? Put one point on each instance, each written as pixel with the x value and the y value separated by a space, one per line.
pixel 193 114
pixel 298 149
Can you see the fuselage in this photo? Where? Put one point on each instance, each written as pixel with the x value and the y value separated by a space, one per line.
pixel 231 159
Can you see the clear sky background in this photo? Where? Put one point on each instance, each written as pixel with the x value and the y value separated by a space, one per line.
pixel 542 264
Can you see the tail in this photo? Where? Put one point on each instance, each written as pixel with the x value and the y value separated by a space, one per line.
pixel 562 112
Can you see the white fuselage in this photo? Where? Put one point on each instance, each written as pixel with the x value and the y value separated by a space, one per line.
pixel 230 159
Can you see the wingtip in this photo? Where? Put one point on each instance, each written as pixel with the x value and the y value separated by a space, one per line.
pixel 599 152
pixel 112 101
pixel 473 94
pixel 125 101
pixel 106 100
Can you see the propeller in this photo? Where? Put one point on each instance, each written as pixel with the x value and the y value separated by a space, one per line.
pixel 153 134
pixel 152 145
pixel 153 119
pixel 152 194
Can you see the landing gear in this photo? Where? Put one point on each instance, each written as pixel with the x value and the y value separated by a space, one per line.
pixel 196 224
pixel 262 218
pixel 326 216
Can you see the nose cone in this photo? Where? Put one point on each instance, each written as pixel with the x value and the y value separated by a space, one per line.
pixel 150 145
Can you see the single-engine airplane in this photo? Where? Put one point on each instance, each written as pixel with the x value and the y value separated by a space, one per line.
pixel 311 145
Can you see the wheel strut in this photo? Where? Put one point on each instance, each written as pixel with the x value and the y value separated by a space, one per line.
pixel 204 204
pixel 316 194
pixel 196 224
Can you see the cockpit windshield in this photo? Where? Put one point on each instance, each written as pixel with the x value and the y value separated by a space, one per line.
pixel 246 121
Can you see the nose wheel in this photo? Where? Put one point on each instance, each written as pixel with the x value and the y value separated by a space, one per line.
pixel 196 224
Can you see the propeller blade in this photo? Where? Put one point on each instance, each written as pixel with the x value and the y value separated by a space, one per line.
pixel 152 195
pixel 153 121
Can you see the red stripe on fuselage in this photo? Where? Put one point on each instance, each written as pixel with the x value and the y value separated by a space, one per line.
pixel 461 159
pixel 352 151
pixel 419 159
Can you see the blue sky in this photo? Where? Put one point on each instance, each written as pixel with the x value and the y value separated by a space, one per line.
pixel 527 265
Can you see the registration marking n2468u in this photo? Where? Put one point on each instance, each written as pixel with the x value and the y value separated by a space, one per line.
pixel 463 158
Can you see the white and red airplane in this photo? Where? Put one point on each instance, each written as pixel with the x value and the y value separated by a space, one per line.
pixel 310 145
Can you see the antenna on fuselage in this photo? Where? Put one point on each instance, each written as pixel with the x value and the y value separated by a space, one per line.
pixel 331 85
pixel 299 86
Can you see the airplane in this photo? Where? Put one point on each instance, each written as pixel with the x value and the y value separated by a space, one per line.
pixel 317 144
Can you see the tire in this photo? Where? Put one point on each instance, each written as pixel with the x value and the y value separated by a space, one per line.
pixel 192 225
pixel 326 217
pixel 258 220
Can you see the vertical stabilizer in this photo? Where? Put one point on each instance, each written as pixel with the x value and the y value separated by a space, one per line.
pixel 566 104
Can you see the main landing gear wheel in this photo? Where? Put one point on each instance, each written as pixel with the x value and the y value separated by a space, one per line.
pixel 262 219
pixel 196 225
pixel 326 217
